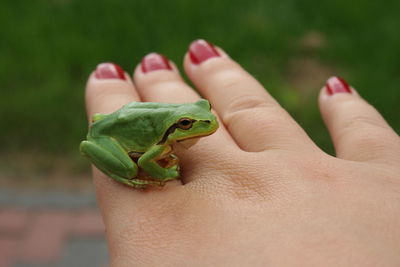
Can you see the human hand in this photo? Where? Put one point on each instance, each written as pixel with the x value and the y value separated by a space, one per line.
pixel 258 192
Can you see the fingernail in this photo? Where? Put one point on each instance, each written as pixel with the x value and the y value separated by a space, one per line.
pixel 336 85
pixel 109 71
pixel 155 61
pixel 201 50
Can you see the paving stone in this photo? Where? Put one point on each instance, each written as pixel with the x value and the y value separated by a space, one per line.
pixel 7 251
pixel 28 264
pixel 12 221
pixel 88 223
pixel 49 199
pixel 46 230
pixel 85 253
pixel 44 240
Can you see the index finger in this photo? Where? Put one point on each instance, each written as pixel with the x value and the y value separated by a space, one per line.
pixel 107 90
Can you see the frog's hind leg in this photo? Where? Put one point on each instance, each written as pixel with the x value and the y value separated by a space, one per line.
pixel 111 159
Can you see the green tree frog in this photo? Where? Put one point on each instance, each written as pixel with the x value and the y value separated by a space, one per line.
pixel 140 136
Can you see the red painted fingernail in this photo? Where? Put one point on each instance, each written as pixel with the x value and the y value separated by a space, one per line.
pixel 109 71
pixel 155 61
pixel 201 50
pixel 336 85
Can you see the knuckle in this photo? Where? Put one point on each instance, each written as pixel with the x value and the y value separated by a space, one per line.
pixel 160 78
pixel 229 78
pixel 229 75
pixel 166 85
pixel 157 82
pixel 359 115
pixel 364 131
pixel 249 103
pixel 361 122
pixel 368 145
pixel 264 114
pixel 250 186
pixel 371 141
pixel 218 67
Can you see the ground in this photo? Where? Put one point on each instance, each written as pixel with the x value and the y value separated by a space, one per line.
pixel 49 217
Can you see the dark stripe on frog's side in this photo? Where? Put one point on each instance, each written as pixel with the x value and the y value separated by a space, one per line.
pixel 172 129
pixel 169 131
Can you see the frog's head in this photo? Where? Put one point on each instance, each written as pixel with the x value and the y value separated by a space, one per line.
pixel 191 121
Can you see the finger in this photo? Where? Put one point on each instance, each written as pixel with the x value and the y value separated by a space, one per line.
pixel 254 119
pixel 107 90
pixel 358 131
pixel 158 80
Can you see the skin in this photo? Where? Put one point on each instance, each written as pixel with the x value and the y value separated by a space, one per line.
pixel 146 132
pixel 269 198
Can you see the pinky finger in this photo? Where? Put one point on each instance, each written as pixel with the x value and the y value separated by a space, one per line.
pixel 358 130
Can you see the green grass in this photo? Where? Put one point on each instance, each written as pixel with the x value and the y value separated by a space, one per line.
pixel 48 48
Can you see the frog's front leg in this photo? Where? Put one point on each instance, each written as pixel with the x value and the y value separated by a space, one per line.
pixel 108 156
pixel 171 160
pixel 148 162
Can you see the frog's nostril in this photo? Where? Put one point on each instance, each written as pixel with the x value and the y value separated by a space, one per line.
pixel 208 121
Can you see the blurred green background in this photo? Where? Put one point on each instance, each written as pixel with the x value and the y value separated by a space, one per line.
pixel 49 47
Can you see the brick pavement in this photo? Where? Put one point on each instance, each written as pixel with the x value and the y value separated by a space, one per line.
pixel 37 231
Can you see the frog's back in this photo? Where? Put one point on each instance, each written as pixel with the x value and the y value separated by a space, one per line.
pixel 137 125
pixel 148 105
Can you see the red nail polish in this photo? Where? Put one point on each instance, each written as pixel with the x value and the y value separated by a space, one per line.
pixel 336 85
pixel 109 71
pixel 201 50
pixel 155 61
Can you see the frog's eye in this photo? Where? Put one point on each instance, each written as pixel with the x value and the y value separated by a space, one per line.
pixel 185 123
